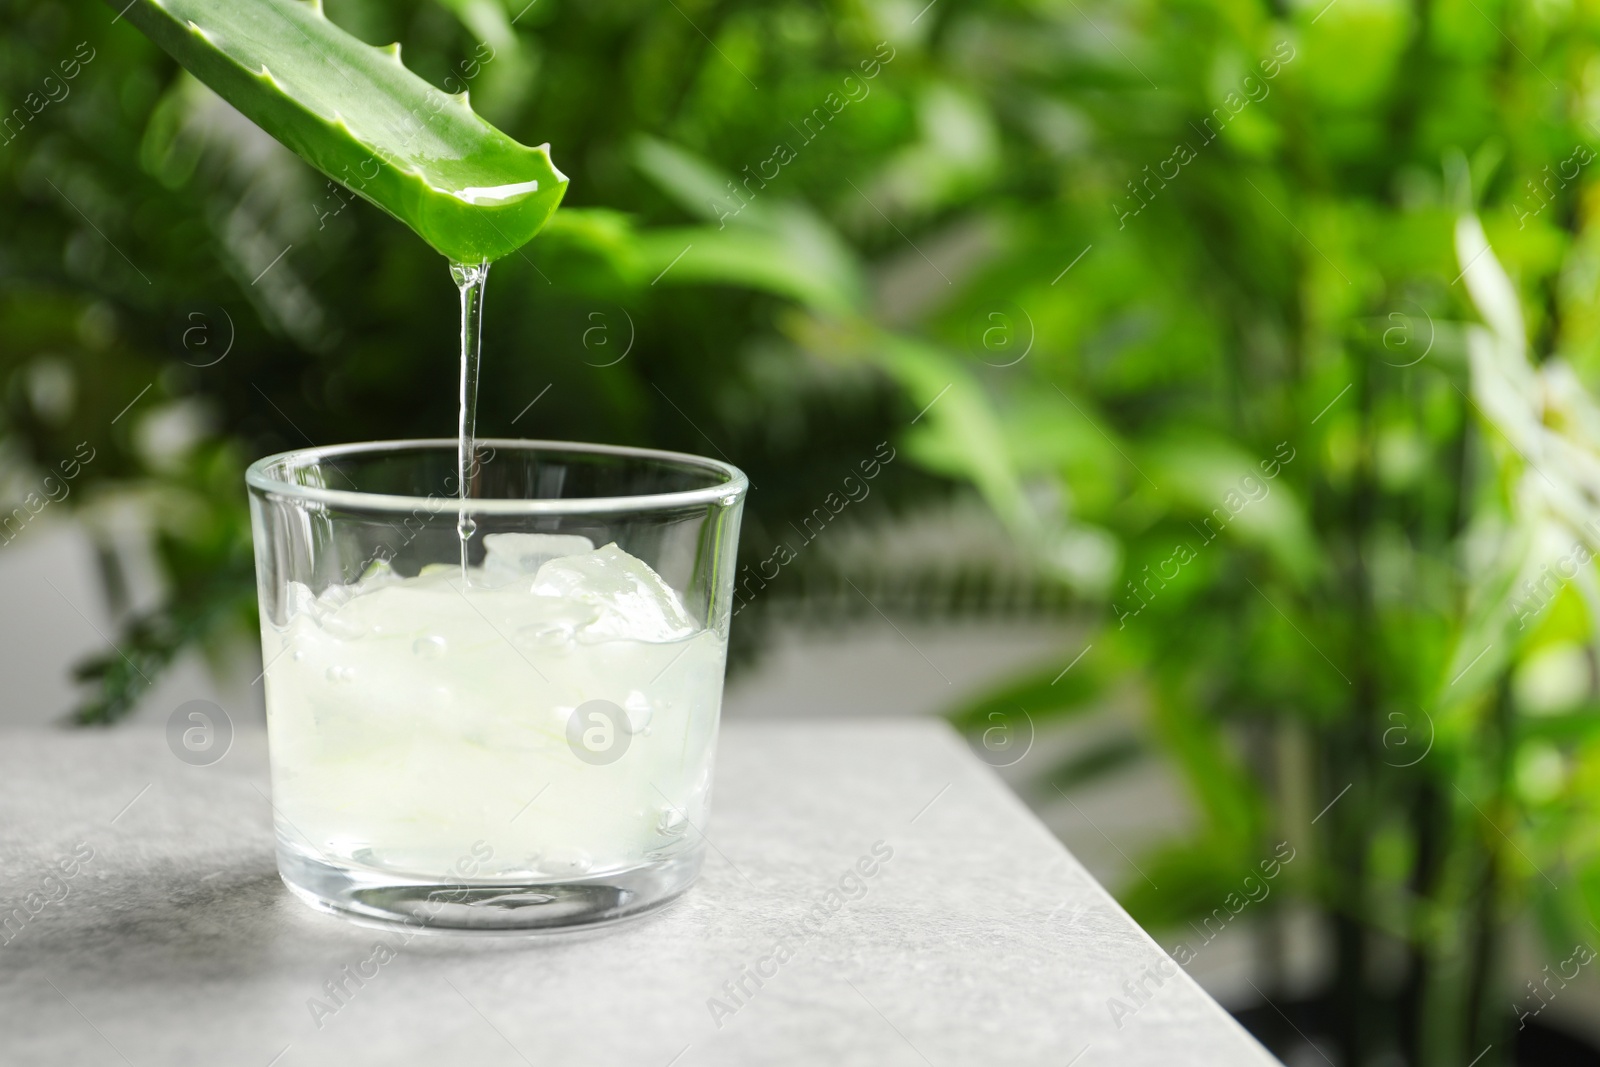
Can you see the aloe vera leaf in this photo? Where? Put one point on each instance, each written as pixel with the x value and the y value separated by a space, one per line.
pixel 359 116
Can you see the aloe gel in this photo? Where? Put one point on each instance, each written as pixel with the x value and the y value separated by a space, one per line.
pixel 471 281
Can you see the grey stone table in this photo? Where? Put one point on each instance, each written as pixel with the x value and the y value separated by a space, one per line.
pixel 979 940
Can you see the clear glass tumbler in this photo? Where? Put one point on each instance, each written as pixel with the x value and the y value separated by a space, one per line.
pixel 501 719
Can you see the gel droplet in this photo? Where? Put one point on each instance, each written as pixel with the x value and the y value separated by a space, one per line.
pixel 552 635
pixel 430 647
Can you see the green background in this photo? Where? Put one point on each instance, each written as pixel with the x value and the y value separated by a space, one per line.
pixel 1174 288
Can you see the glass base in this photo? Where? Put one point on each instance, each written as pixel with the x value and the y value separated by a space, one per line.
pixel 487 908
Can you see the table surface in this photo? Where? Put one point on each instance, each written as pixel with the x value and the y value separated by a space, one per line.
pixel 980 940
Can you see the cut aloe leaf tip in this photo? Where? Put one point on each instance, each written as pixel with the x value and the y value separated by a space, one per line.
pixel 359 116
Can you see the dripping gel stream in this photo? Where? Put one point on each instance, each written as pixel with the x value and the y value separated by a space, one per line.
pixel 470 279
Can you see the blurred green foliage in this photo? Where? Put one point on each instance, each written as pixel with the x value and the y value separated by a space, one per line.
pixel 1180 288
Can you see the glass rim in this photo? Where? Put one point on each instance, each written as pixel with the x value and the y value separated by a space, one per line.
pixel 726 493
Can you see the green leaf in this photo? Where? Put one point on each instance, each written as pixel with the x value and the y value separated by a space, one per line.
pixel 1227 489
pixel 359 116
pixel 775 245
pixel 770 261
pixel 962 436
pixel 1048 693
pixel 697 186
pixel 1096 762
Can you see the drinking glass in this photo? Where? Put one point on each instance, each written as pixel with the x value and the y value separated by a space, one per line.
pixel 496 715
